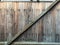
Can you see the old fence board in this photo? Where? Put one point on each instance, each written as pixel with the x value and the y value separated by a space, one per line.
pixel 15 16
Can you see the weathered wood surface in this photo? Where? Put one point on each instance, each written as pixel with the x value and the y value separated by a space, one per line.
pixel 15 16
pixel 29 0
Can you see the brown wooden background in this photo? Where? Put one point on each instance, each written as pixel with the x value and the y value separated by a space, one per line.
pixel 14 16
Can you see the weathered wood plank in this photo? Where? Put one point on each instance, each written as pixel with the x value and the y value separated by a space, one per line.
pixel 39 17
pixel 15 16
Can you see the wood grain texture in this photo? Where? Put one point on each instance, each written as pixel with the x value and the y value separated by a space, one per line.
pixel 15 16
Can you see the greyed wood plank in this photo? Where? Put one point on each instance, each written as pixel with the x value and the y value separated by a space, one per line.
pixel 48 30
pixel 31 24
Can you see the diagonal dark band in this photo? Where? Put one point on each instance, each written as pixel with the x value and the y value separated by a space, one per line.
pixel 34 22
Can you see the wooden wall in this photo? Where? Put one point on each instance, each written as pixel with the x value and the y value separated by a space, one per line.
pixel 14 16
